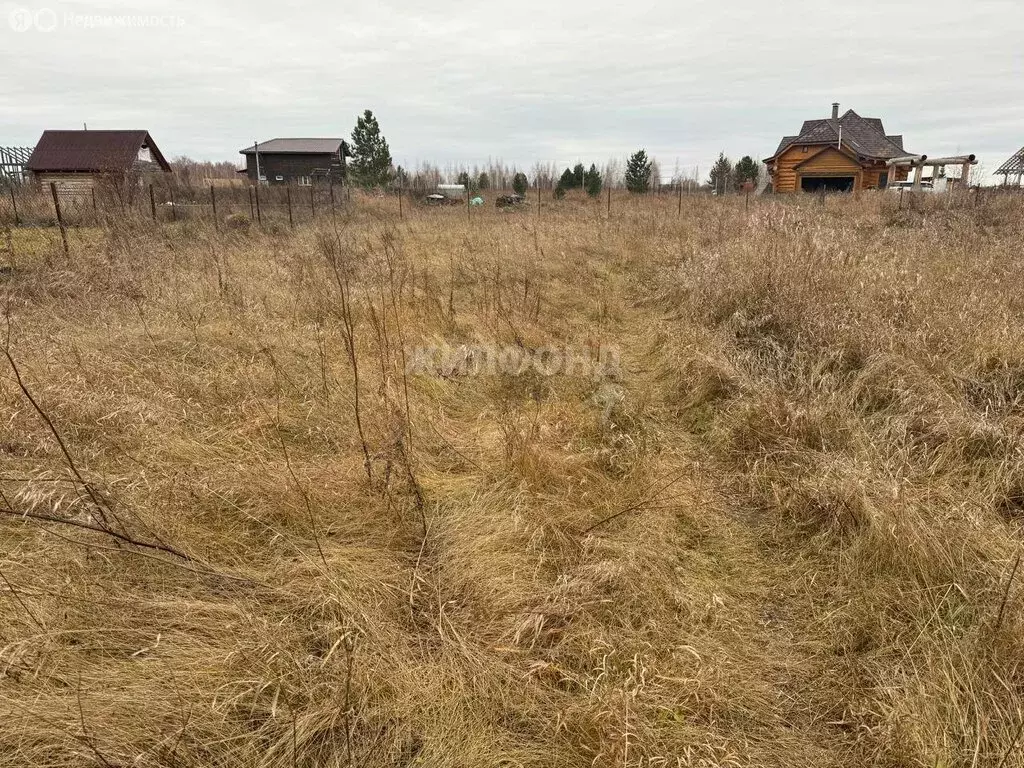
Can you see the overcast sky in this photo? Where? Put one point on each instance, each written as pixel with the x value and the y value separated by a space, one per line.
pixel 521 80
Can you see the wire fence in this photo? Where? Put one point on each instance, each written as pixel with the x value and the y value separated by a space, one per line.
pixel 53 205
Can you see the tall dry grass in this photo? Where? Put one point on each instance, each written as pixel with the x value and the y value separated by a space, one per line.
pixel 785 534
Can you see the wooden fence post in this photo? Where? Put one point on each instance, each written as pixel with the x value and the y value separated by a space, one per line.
pixel 312 203
pixel 174 206
pixel 680 212
pixel 334 215
pixel 400 214
pixel 14 203
pixel 152 202
pixel 609 199
pixel 252 213
pixel 213 201
pixel 60 217
pixel 95 212
pixel 288 195
pixel 259 216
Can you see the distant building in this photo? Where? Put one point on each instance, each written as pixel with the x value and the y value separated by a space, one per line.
pixel 296 161
pixel 81 160
pixel 839 154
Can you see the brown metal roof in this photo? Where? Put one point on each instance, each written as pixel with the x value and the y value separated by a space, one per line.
pixel 298 146
pixel 92 151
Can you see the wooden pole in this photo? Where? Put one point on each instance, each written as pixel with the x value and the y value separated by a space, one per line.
pixel 312 203
pixel 680 191
pixel 94 211
pixel 259 216
pixel 252 211
pixel 14 204
pixel 965 176
pixel 902 190
pixel 60 218
pixel 334 215
pixel 213 202
pixel 469 212
pixel 288 195
pixel 152 202
pixel 400 189
pixel 609 200
pixel 174 206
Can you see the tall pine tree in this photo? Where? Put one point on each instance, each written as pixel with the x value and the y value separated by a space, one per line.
pixel 638 172
pixel 371 161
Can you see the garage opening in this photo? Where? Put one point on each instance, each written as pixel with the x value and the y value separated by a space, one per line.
pixel 827 183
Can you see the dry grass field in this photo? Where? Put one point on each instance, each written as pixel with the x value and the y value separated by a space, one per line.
pixel 238 528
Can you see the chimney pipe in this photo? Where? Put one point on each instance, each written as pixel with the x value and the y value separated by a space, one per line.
pixel 835 110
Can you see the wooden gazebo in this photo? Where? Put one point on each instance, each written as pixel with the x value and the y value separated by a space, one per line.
pixel 1013 167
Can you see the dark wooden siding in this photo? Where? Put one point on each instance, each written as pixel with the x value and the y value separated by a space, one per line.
pixel 291 166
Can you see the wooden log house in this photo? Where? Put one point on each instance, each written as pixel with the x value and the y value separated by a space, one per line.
pixel 837 154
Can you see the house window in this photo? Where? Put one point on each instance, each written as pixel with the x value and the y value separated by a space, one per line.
pixel 305 181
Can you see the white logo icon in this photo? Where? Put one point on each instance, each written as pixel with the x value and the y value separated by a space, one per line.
pixel 22 20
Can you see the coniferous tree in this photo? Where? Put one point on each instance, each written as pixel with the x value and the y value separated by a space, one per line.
pixel 578 174
pixel 371 157
pixel 721 178
pixel 638 172
pixel 483 182
pixel 746 169
pixel 592 181
pixel 520 184
pixel 567 180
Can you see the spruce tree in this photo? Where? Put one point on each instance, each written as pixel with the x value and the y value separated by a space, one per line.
pixel 721 179
pixel 567 181
pixel 578 174
pixel 484 182
pixel 371 157
pixel 638 172
pixel 592 181
pixel 520 184
pixel 746 169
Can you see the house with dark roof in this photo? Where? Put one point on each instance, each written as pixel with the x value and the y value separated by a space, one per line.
pixel 839 153
pixel 80 160
pixel 296 161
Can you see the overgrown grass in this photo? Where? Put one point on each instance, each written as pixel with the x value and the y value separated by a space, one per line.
pixel 785 533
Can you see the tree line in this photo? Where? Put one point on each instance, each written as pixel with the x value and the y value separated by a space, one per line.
pixel 372 165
